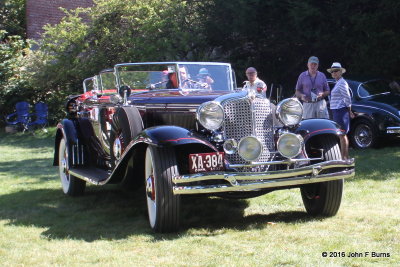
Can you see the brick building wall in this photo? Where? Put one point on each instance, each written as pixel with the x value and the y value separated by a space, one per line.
pixel 41 12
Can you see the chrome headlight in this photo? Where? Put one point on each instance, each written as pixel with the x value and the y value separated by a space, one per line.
pixel 210 115
pixel 289 111
pixel 230 146
pixel 290 145
pixel 250 148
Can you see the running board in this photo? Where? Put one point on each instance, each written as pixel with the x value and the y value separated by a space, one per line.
pixel 90 175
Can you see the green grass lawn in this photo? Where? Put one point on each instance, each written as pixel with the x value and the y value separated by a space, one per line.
pixel 39 225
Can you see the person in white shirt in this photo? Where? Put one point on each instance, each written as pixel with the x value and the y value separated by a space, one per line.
pixel 340 105
pixel 254 83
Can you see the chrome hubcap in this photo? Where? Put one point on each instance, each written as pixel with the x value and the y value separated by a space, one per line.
pixel 64 166
pixel 363 136
pixel 150 188
pixel 117 148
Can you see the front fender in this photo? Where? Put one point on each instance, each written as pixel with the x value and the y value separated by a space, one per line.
pixel 164 136
pixel 313 127
pixel 161 136
pixel 66 128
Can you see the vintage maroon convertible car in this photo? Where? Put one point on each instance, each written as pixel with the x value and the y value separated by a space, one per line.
pixel 184 128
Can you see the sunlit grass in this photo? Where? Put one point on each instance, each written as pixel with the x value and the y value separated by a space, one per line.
pixel 108 227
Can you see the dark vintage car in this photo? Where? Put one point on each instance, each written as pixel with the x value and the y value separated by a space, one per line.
pixel 376 105
pixel 183 128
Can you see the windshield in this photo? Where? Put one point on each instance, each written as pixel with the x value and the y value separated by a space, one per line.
pixel 148 77
pixel 206 77
pixel 107 82
pixel 196 76
pixel 373 88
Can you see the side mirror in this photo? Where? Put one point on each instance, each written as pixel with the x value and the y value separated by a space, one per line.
pixel 123 89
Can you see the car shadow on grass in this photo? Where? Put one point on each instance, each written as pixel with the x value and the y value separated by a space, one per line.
pixel 214 214
pixel 112 214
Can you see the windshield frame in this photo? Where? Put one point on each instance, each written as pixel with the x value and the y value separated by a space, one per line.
pixel 95 84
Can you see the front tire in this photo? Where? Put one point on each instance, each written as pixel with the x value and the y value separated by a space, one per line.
pixel 71 185
pixel 324 198
pixel 162 205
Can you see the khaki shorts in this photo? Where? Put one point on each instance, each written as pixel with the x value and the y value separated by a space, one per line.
pixel 315 110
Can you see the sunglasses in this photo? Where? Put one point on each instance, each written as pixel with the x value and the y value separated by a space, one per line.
pixel 334 71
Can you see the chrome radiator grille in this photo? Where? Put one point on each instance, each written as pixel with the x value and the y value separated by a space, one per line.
pixel 239 122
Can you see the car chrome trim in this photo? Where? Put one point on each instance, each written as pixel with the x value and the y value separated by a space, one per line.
pixel 246 181
pixel 358 105
pixel 299 138
pixel 365 97
pixel 202 106
pixel 182 106
pixel 248 115
pixel 278 111
pixel 262 184
pixel 276 162
pixel 393 130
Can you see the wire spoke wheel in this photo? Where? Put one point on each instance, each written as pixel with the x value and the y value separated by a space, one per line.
pixel 363 135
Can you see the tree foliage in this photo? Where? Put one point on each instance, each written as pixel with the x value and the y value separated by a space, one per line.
pixel 12 85
pixel 278 36
pixel 12 17
pixel 275 36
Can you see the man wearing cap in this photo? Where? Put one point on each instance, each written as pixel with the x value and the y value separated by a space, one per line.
pixel 312 88
pixel 254 83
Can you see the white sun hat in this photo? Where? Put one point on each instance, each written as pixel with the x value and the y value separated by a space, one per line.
pixel 336 66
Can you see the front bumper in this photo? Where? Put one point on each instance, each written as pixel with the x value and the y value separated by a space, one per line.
pixel 199 183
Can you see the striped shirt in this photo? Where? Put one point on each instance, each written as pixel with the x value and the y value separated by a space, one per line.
pixel 340 95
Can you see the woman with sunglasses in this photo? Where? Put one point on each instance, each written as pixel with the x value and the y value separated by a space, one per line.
pixel 340 105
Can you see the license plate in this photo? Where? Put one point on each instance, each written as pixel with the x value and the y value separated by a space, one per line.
pixel 205 162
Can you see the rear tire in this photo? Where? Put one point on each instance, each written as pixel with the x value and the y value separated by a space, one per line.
pixel 363 134
pixel 162 205
pixel 71 185
pixel 324 198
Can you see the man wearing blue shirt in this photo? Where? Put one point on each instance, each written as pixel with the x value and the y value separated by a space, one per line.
pixel 311 88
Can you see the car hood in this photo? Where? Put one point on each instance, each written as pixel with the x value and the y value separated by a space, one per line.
pixel 176 96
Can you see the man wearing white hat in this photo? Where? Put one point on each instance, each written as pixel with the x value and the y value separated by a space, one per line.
pixel 311 88
pixel 340 105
